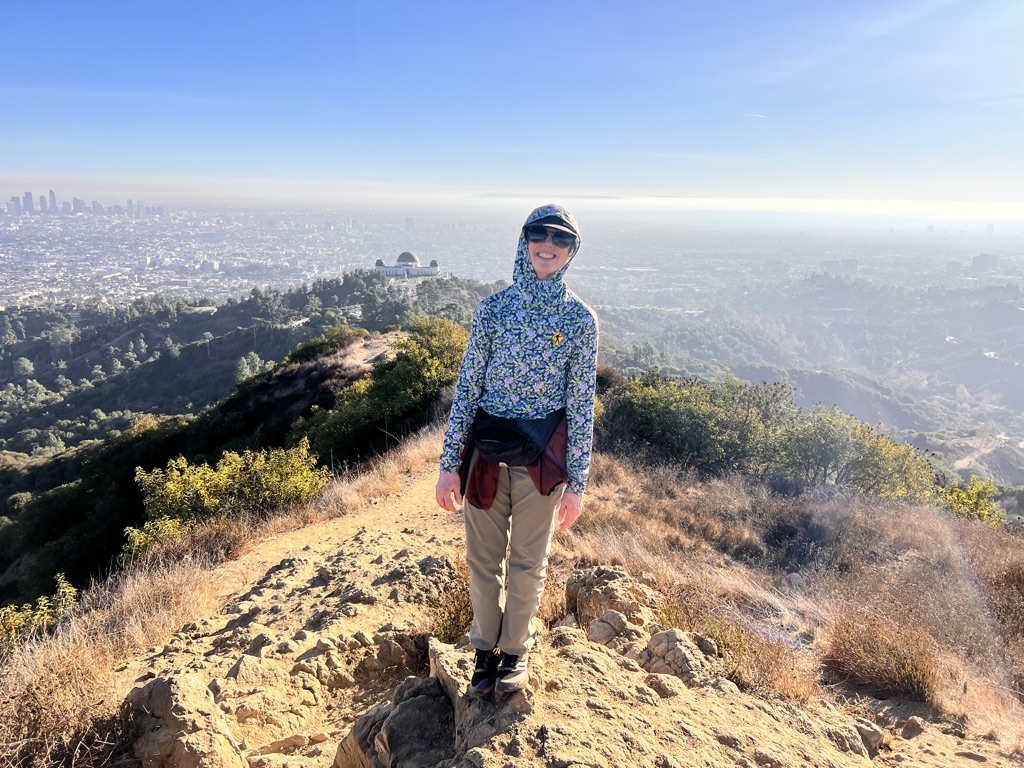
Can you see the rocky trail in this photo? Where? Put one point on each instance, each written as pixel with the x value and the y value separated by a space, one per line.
pixel 320 656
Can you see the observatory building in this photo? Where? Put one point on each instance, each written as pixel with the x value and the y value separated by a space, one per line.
pixel 408 265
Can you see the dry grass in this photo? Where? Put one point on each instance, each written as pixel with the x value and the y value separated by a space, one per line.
pixel 60 697
pixel 888 658
pixel 452 614
pixel 693 539
pixel 767 567
pixel 753 659
pixel 552 599
pixel 380 476
pixel 955 580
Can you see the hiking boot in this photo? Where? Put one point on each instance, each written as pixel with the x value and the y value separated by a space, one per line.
pixel 484 673
pixel 512 673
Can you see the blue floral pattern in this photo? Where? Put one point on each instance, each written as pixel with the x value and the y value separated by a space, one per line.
pixel 531 351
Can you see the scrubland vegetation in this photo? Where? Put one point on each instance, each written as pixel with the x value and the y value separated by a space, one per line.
pixel 836 594
pixel 825 559
pixel 76 525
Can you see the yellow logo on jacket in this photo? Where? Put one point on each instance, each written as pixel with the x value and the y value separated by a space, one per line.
pixel 558 338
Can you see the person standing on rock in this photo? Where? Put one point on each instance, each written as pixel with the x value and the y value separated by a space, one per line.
pixel 517 446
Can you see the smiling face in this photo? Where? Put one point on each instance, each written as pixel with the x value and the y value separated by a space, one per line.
pixel 547 258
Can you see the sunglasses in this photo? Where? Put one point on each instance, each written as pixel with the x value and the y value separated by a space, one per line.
pixel 559 238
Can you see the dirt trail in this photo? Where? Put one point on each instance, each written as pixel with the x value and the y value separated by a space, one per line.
pixel 415 506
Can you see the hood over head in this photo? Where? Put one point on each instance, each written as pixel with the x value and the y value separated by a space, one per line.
pixel 523 276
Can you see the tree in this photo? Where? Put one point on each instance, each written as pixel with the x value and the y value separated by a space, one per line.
pixel 818 445
pixel 174 350
pixel 23 367
pixel 249 365
pixel 48 445
pixel 207 338
pixel 8 338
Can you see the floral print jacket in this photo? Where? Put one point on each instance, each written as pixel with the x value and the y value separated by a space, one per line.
pixel 532 350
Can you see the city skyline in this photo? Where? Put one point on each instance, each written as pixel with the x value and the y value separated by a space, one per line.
pixel 48 205
pixel 906 108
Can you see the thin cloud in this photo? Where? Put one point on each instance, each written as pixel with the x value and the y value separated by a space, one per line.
pixel 751 114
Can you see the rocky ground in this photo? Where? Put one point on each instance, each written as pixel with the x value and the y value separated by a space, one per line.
pixel 320 657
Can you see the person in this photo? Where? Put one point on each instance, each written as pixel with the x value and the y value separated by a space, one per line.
pixel 517 445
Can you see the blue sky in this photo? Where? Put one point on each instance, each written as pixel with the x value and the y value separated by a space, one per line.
pixel 904 99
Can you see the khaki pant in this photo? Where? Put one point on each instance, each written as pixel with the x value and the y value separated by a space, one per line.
pixel 519 516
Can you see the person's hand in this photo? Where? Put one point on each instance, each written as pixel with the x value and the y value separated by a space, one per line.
pixel 449 484
pixel 569 510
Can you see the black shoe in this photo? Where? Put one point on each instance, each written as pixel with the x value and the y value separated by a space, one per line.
pixel 484 673
pixel 512 674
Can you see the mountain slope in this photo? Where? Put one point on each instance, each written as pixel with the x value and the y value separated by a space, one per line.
pixel 313 629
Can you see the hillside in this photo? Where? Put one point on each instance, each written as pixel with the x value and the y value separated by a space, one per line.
pixel 302 642
pixel 933 360
pixel 739 557
pixel 75 372
pixel 73 510
pixel 987 457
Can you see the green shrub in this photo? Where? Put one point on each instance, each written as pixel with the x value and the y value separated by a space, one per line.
pixel 179 498
pixel 730 426
pixel 30 618
pixel 423 364
pixel 974 501
pixel 713 428
pixel 824 446
pixel 163 532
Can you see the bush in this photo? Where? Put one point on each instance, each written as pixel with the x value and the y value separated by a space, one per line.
pixel 337 338
pixel 824 446
pixel 453 612
pixel 713 428
pixel 730 426
pixel 183 496
pixel 20 622
pixel 975 501
pixel 162 532
pixel 887 658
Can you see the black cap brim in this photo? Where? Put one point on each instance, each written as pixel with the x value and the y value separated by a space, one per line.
pixel 554 222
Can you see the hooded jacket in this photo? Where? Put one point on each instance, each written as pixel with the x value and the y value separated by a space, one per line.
pixel 532 350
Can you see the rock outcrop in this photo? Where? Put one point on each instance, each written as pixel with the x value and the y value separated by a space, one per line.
pixel 590 592
pixel 181 726
pixel 415 729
